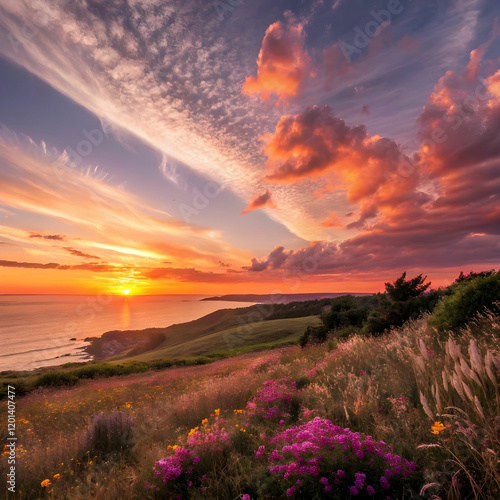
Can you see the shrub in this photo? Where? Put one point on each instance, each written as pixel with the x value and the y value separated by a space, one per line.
pixel 110 433
pixel 321 460
pixel 56 379
pixel 469 298
pixel 276 401
pixel 345 311
pixel 178 473
pixel 313 335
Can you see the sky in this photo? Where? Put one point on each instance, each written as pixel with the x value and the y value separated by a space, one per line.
pixel 238 146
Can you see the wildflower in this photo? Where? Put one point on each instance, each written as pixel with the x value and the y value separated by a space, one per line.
pixel 45 483
pixel 385 483
pixel 245 496
pixel 437 428
pixel 370 490
pixel 362 372
pixel 324 480
pixel 353 490
pixel 290 491
pixel 217 411
pixel 57 476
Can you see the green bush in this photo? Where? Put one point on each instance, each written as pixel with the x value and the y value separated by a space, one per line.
pixel 313 335
pixel 467 300
pixel 56 379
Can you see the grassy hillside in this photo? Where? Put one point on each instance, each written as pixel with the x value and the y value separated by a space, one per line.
pixel 217 431
pixel 193 343
pixel 265 332
pixel 134 342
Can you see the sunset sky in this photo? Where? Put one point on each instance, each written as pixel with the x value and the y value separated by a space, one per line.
pixel 190 146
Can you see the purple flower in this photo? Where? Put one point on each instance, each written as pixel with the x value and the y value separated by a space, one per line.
pixel 385 483
pixel 290 491
pixel 245 496
pixel 370 490
pixel 328 489
pixel 353 490
pixel 324 480
pixel 340 473
pixel 360 479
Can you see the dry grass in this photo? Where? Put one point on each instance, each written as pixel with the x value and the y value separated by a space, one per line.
pixel 379 386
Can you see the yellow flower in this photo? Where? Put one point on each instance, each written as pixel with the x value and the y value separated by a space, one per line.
pixel 45 483
pixel 175 447
pixel 437 428
pixel 217 411
pixel 57 476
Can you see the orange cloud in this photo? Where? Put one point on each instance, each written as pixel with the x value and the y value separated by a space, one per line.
pixel 258 202
pixel 440 208
pixel 372 169
pixel 333 220
pixel 283 62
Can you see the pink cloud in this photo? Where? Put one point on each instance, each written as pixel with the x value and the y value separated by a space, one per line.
pixel 283 62
pixel 258 202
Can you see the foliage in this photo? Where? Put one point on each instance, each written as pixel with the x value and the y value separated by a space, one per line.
pixel 468 298
pixel 472 276
pixel 404 299
pixel 321 460
pixel 435 402
pixel 403 290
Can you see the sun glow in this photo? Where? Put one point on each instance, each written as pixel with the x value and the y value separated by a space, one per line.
pixel 126 291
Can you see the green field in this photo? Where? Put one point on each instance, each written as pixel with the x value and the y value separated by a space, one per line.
pixel 198 342
pixel 264 332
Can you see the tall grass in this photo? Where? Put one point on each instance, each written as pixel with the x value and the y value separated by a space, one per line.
pixel 394 388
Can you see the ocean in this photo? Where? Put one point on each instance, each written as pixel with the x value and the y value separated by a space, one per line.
pixel 37 330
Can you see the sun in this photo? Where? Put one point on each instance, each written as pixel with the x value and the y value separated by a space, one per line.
pixel 126 291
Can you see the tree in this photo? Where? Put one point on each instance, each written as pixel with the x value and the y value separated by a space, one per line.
pixel 403 290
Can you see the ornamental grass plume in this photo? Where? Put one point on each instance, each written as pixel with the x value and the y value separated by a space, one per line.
pixel 466 377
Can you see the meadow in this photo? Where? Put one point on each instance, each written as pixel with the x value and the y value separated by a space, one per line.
pixel 220 428
pixel 349 408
